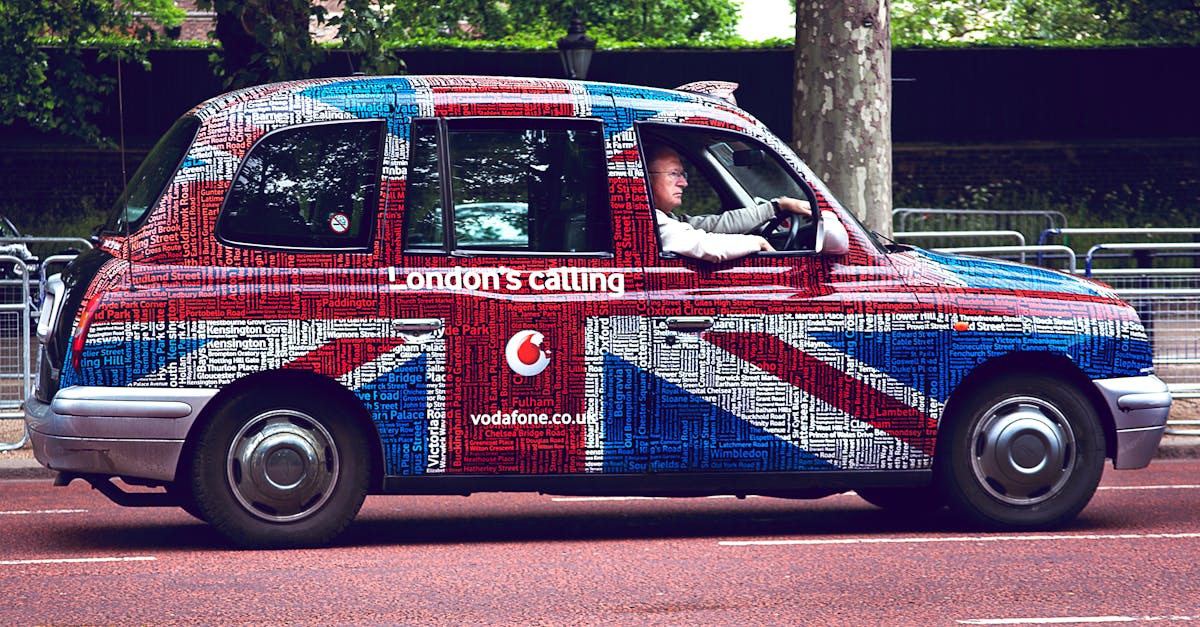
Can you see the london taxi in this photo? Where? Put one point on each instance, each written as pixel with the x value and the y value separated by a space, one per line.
pixel 318 290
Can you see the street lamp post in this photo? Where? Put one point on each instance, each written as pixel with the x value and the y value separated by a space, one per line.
pixel 576 49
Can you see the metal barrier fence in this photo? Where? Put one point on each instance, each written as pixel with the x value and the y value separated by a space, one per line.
pixel 1029 223
pixel 941 239
pixel 1172 320
pixel 1019 253
pixel 15 371
pixel 22 289
pixel 1160 279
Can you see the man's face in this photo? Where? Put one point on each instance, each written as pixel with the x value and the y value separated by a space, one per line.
pixel 666 181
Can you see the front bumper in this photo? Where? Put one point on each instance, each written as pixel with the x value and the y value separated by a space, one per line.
pixel 126 432
pixel 1139 407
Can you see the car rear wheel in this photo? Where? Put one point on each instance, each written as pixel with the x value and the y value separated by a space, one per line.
pixel 271 471
pixel 1025 452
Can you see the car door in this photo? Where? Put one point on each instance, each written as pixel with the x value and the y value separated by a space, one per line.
pixel 509 238
pixel 760 363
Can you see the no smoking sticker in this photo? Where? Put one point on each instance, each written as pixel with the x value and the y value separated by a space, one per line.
pixel 339 223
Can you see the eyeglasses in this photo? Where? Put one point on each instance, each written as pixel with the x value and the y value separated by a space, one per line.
pixel 674 174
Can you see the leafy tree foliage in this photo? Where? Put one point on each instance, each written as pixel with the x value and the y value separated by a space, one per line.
pixel 1150 20
pixel 269 40
pixel 58 94
pixel 612 20
pixel 1003 21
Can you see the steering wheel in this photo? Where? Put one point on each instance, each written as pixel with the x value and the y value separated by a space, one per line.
pixel 767 230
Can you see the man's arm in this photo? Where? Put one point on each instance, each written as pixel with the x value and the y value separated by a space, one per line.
pixel 684 239
pixel 734 220
pixel 745 219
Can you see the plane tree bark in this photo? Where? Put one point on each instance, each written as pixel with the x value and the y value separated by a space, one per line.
pixel 842 114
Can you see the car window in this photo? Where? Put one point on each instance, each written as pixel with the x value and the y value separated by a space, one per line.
pixel 307 187
pixel 759 175
pixel 530 186
pixel 152 176
pixel 728 171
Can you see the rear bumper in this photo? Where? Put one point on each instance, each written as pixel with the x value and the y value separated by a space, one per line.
pixel 127 432
pixel 1139 407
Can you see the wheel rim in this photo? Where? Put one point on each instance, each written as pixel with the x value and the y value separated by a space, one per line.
pixel 1024 451
pixel 282 465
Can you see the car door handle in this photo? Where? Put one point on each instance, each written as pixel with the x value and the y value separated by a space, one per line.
pixel 690 323
pixel 417 325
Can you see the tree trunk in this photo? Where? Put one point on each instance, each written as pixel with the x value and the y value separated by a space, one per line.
pixel 842 119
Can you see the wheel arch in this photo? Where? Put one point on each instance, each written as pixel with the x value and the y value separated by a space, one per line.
pixel 1052 365
pixel 288 381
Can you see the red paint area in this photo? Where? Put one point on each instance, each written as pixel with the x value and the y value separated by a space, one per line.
pixel 342 355
pixel 528 352
pixel 831 385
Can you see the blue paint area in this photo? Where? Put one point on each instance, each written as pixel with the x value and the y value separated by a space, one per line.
pixel 371 99
pixel 979 273
pixel 915 357
pixel 618 119
pixel 652 425
pixel 123 363
pixel 637 93
pixel 398 403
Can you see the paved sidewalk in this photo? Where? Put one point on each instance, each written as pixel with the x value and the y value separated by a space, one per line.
pixel 20 464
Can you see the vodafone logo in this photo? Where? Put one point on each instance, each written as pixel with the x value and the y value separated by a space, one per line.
pixel 525 353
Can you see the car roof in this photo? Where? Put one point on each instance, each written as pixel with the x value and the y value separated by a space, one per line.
pixel 437 95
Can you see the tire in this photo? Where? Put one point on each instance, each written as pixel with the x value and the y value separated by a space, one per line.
pixel 182 491
pixel 1026 452
pixel 903 500
pixel 271 471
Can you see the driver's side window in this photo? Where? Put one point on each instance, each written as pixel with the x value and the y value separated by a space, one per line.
pixel 723 172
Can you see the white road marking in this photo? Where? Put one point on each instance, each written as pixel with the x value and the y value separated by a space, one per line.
pixel 26 512
pixel 79 560
pixel 959 539
pixel 1074 620
pixel 575 499
pixel 1150 487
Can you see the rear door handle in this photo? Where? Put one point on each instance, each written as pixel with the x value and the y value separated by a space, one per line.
pixel 690 323
pixel 417 326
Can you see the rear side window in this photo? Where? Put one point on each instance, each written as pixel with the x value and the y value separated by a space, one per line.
pixel 530 186
pixel 311 187
pixel 152 177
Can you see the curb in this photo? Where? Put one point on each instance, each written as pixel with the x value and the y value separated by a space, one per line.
pixel 1172 447
pixel 24 469
pixel 1179 447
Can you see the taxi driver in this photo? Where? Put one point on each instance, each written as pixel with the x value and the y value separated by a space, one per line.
pixel 715 237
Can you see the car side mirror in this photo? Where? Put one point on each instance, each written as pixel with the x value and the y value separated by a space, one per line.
pixel 748 157
pixel 832 238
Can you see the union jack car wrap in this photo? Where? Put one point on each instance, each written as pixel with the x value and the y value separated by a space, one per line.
pixel 616 370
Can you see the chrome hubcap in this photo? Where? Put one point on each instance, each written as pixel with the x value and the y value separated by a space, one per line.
pixel 1024 451
pixel 282 465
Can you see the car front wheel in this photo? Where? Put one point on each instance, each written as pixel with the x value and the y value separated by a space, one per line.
pixel 1024 452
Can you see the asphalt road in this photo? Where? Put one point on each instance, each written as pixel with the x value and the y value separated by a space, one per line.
pixel 68 556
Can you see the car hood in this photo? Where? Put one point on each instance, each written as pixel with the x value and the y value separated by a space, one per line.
pixel 923 268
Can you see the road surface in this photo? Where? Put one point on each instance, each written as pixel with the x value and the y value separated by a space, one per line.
pixel 71 557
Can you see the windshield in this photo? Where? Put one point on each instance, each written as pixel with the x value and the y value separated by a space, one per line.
pixel 152 177
pixel 759 176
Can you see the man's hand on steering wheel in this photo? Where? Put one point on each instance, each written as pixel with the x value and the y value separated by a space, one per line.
pixel 785 208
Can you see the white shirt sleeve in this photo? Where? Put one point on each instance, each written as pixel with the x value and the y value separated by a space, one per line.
pixel 735 220
pixel 717 244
